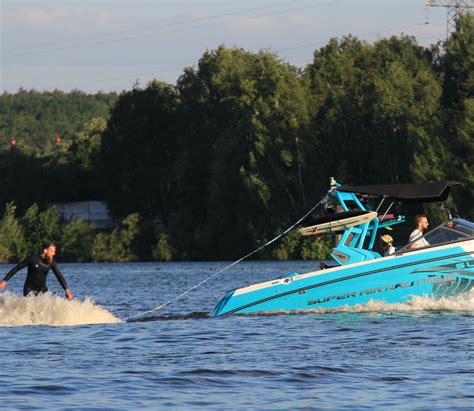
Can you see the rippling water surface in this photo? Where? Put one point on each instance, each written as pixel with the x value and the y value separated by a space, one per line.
pixel 69 355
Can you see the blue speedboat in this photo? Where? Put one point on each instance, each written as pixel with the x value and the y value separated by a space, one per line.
pixel 442 268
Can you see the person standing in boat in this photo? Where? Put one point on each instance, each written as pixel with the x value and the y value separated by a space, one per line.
pixel 386 243
pixel 421 225
pixel 38 268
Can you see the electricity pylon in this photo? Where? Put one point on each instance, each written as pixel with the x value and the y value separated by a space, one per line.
pixel 455 8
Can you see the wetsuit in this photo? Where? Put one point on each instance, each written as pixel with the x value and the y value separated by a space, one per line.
pixel 37 273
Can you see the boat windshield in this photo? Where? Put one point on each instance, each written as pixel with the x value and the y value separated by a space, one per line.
pixel 448 232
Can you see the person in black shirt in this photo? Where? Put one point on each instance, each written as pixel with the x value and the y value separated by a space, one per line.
pixel 38 268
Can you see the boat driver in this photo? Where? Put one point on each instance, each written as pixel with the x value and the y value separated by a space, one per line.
pixel 421 225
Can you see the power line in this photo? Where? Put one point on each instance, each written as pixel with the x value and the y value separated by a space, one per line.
pixel 119 77
pixel 168 31
pixel 159 307
pixel 113 33
pixel 200 27
pixel 358 35
pixel 277 51
pixel 308 61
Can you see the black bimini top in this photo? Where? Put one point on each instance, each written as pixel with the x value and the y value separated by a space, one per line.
pixel 421 192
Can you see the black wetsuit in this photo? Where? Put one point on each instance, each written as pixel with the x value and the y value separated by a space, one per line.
pixel 37 273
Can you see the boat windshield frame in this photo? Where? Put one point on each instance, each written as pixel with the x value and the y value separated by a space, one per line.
pixel 449 227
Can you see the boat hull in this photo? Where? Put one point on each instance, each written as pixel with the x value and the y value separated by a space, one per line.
pixel 438 272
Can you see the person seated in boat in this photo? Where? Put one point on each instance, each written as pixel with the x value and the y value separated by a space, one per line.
pixel 386 244
pixel 421 225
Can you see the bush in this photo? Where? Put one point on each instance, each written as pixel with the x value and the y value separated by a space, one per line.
pixel 12 239
pixel 118 245
pixel 163 250
pixel 40 227
pixel 77 241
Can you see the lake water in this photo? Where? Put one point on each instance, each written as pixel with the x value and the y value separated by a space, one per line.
pixel 80 355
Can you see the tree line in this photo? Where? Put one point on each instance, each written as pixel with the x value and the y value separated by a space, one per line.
pixel 244 143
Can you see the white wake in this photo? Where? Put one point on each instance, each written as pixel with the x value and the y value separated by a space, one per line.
pixel 460 303
pixel 49 309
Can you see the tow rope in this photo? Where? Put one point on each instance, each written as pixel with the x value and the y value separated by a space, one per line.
pixel 159 307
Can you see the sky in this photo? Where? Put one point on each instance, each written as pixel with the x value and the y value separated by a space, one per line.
pixel 110 45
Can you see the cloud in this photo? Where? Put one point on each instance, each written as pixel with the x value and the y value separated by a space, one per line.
pixel 252 25
pixel 304 22
pixel 69 19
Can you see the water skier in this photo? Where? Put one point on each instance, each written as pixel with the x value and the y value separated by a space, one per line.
pixel 38 268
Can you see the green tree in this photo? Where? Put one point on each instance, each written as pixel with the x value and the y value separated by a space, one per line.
pixel 163 250
pixel 77 241
pixel 41 226
pixel 30 222
pixel 30 169
pixel 138 152
pixel 74 165
pixel 458 108
pixel 12 238
pixel 241 155
pixel 21 179
pixel 376 110
pixel 34 119
pixel 118 246
pixel 406 113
